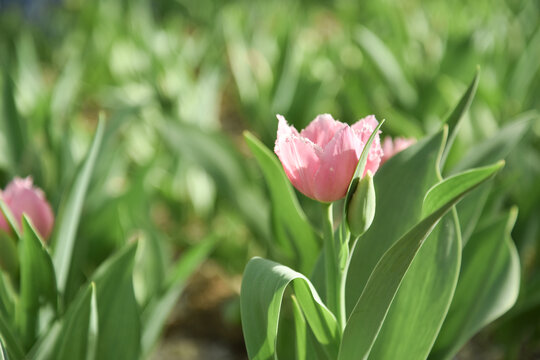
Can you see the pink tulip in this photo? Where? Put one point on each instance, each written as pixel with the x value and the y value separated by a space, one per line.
pixel 22 197
pixel 320 160
pixel 391 148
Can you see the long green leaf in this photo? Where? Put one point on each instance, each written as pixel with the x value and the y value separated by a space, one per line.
pixel 119 320
pixel 488 286
pixel 37 282
pixel 15 126
pixel 449 188
pixel 68 221
pixel 3 351
pixel 423 298
pixel 387 64
pixel 74 337
pixel 291 227
pixel 11 342
pixel 155 314
pixel 262 292
pixel 455 118
pixel 486 152
pixel 400 185
pixel 217 156
pixel 370 311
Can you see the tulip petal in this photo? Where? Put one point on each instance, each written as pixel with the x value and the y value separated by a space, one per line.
pixel 363 129
pixel 322 129
pixel 338 163
pixel 299 157
pixel 23 198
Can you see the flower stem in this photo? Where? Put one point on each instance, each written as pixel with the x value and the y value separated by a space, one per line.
pixel 331 267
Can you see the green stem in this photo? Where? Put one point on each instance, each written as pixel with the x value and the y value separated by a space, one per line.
pixel 331 268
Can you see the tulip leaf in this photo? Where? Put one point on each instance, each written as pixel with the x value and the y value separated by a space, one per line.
pixel 262 292
pixel 117 308
pixel 79 328
pixel 447 189
pixel 300 330
pixel 157 311
pixel 488 285
pixel 11 341
pixel 370 311
pixel 422 301
pixel 66 242
pixel 7 297
pixel 291 227
pixel 9 261
pixel 485 152
pixel 37 282
pixel 15 126
pixel 8 215
pixel 455 118
pixel 403 179
pixel 3 351
pixel 359 171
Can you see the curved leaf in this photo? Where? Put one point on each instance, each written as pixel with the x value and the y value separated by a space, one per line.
pixel 291 227
pixel 400 185
pixel 454 120
pixel 38 282
pixel 370 311
pixel 119 320
pixel 488 286
pixel 68 221
pixel 263 288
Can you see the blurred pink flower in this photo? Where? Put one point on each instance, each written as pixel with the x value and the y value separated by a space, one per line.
pixel 320 160
pixel 22 197
pixel 392 147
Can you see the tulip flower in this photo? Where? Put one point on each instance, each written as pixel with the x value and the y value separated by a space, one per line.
pixel 320 160
pixel 23 198
pixel 392 147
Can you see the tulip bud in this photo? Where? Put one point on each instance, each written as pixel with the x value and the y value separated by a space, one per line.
pixel 23 198
pixel 361 206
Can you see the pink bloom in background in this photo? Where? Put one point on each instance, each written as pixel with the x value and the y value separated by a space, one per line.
pixel 22 197
pixel 392 147
pixel 320 160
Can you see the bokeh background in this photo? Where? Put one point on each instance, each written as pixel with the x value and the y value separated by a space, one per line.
pixel 179 82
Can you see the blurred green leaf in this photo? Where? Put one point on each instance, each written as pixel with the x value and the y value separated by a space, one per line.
pixel 262 292
pixel 118 313
pixel 11 341
pixel 7 298
pixel 370 311
pixel 11 221
pixel 76 334
pixel 3 351
pixel 292 229
pixel 387 64
pixel 217 155
pixel 498 146
pixel 155 314
pixel 65 241
pixel 37 283
pixel 488 285
pixel 15 126
pixel 9 261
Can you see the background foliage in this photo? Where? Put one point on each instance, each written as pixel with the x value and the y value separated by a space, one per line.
pixel 180 80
